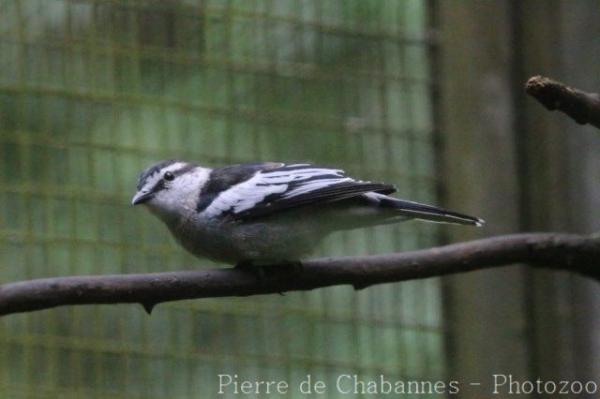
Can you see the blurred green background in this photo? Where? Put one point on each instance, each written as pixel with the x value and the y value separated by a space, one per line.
pixel 92 91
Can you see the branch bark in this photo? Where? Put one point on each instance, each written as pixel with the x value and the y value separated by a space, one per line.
pixel 572 253
pixel 580 106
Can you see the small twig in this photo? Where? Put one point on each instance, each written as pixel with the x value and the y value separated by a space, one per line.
pixel 573 253
pixel 581 106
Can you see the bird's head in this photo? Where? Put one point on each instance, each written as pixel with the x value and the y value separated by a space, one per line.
pixel 171 188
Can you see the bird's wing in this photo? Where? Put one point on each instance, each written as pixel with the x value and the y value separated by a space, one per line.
pixel 277 187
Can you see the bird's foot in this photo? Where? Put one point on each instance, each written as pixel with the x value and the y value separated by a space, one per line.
pixel 294 266
pixel 259 271
pixel 256 270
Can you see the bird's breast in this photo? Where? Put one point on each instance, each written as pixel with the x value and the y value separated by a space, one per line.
pixel 233 242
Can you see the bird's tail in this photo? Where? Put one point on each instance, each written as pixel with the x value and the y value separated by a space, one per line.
pixel 425 212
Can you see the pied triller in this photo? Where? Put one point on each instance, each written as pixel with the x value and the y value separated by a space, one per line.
pixel 270 212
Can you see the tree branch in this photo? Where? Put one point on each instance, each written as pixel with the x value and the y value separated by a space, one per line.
pixel 573 253
pixel 581 106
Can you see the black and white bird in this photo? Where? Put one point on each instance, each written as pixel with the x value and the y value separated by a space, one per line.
pixel 271 212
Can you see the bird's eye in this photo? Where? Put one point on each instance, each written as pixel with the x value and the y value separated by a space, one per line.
pixel 169 176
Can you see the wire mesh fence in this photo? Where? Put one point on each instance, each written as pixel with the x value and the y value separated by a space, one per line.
pixel 92 91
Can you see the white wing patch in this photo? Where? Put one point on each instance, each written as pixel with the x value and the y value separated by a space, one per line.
pixel 246 195
pixel 243 196
pixel 314 185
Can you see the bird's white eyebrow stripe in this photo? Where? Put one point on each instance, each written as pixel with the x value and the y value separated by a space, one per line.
pixel 185 169
pixel 177 168
pixel 147 174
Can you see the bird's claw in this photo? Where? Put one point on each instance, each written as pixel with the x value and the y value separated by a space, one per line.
pixel 257 271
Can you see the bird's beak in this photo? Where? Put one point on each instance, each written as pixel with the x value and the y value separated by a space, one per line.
pixel 141 196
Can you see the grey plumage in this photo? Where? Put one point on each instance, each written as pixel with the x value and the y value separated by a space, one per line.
pixel 270 212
